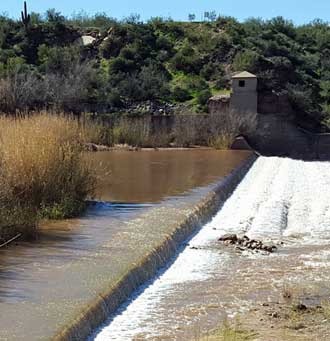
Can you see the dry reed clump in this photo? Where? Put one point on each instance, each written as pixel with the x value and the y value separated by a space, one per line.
pixel 229 332
pixel 96 132
pixel 138 132
pixel 134 132
pixel 225 126
pixel 185 130
pixel 42 171
pixel 217 130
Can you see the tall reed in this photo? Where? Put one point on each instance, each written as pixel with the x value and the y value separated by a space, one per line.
pixel 42 170
pixel 225 126
pixel 139 132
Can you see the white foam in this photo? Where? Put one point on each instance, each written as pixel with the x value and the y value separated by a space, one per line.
pixel 136 317
pixel 278 198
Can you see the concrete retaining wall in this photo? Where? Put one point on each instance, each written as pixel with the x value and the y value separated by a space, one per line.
pixel 278 136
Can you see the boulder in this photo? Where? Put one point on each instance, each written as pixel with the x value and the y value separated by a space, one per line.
pixel 245 243
pixel 229 237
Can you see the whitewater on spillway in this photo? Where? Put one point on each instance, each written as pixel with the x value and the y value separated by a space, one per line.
pixel 279 199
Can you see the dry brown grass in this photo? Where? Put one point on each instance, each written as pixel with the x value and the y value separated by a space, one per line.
pixel 134 132
pixel 138 132
pixel 42 170
pixel 226 126
pixel 229 332
pixel 94 131
pixel 222 141
pixel 185 130
pixel 217 130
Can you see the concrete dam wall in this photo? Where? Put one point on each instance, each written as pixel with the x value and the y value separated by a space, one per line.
pixel 179 226
pixel 68 281
pixel 278 136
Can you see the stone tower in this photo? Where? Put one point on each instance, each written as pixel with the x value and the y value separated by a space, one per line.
pixel 244 97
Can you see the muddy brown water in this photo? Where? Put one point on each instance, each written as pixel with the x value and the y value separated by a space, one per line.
pixel 281 201
pixel 43 279
pixel 151 176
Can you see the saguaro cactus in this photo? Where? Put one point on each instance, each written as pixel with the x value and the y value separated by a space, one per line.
pixel 26 18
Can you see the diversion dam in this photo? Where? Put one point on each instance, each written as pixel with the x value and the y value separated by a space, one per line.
pixel 280 200
pixel 77 272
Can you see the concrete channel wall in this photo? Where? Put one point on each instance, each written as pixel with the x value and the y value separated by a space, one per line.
pixel 278 136
pixel 107 302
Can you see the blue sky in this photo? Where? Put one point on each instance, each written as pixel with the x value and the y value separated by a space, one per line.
pixel 300 11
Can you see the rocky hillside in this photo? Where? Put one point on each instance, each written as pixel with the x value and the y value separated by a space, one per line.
pixel 104 65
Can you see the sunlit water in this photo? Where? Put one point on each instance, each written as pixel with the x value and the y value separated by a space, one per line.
pixel 47 280
pixel 129 183
pixel 151 176
pixel 278 200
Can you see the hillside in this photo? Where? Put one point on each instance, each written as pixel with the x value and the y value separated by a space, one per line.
pixel 42 63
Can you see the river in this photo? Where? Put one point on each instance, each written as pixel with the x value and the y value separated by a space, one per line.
pixel 280 200
pixel 45 282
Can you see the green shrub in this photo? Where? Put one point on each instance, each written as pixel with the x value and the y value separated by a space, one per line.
pixel 187 60
pixel 133 132
pixel 203 97
pixel 221 83
pixel 181 94
pixel 245 61
pixel 153 83
pixel 47 56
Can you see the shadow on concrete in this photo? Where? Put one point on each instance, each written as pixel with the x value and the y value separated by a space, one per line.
pixel 278 137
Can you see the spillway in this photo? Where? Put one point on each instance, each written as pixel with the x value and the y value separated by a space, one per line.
pixel 281 200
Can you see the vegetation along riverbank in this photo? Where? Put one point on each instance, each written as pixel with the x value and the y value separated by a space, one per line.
pixel 213 130
pixel 72 85
pixel 42 173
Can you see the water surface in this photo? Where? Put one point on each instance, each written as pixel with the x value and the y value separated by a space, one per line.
pixel 279 200
pixel 44 281
pixel 151 176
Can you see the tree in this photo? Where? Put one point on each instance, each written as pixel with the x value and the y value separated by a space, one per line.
pixel 245 60
pixel 203 97
pixel 54 17
pixel 192 17
pixel 133 18
pixel 325 91
pixel 211 16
